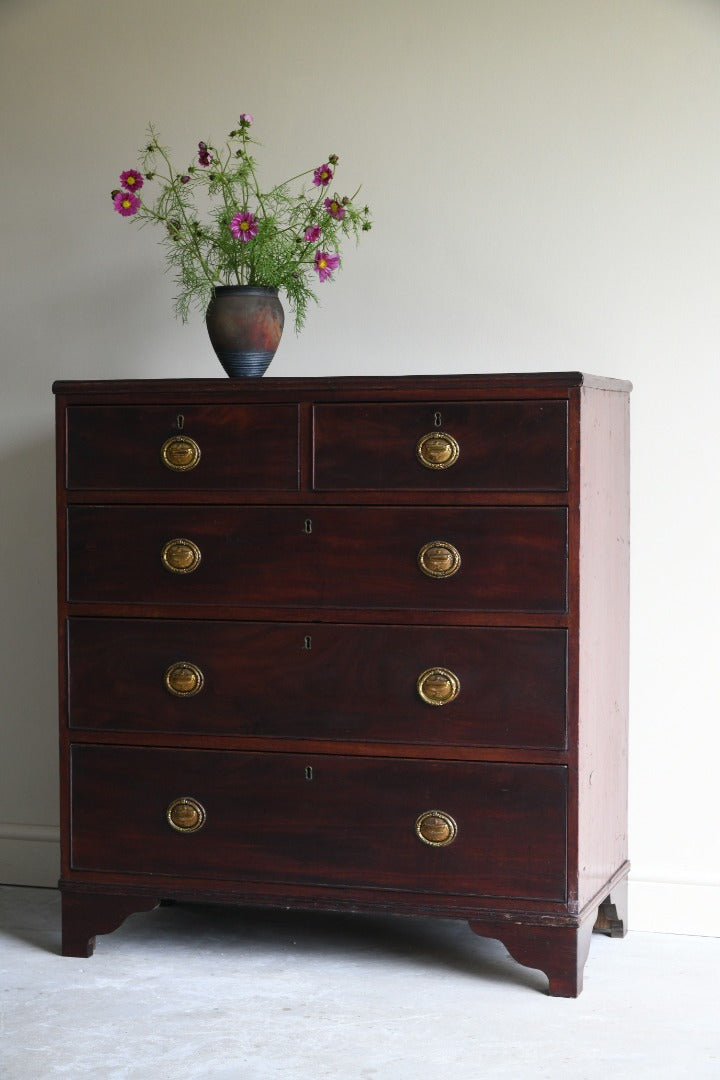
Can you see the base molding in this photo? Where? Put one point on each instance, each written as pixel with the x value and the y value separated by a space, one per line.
pixel 30 856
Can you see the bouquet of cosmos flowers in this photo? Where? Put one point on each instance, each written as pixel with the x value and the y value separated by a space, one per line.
pixel 286 238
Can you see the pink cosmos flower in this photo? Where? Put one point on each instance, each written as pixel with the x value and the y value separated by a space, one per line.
pixel 131 180
pixel 325 263
pixel 204 155
pixel 246 119
pixel 313 234
pixel 322 175
pixel 126 203
pixel 335 208
pixel 244 227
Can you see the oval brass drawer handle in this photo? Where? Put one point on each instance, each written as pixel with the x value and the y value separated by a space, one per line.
pixel 180 453
pixel 184 679
pixel 436 828
pixel 439 559
pixel 181 556
pixel 437 450
pixel 438 686
pixel 186 815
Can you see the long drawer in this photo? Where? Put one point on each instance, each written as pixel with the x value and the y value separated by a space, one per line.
pixel 482 686
pixel 482 559
pixel 433 827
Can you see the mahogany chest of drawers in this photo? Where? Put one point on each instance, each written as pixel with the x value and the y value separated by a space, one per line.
pixel 352 644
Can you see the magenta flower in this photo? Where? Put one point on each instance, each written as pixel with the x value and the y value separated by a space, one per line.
pixel 322 175
pixel 246 119
pixel 204 155
pixel 325 263
pixel 244 227
pixel 131 180
pixel 126 203
pixel 313 234
pixel 335 208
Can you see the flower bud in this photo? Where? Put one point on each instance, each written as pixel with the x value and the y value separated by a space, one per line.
pixel 333 159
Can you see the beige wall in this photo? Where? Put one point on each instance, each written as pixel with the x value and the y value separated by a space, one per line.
pixel 545 177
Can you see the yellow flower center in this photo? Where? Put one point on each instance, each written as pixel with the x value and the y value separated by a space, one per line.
pixel 130 180
pixel 126 204
pixel 244 225
pixel 322 264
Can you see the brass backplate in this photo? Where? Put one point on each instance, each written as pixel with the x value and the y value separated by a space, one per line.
pixel 184 679
pixel 186 815
pixel 438 686
pixel 181 556
pixel 437 450
pixel 439 559
pixel 436 828
pixel 180 453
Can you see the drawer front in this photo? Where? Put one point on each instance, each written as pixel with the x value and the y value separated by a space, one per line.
pixel 324 820
pixel 485 446
pixel 507 558
pixel 198 447
pixel 320 681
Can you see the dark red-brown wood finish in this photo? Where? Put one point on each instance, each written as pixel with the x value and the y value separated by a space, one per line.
pixel 352 644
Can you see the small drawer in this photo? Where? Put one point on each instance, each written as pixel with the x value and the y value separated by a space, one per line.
pixel 482 559
pixel 391 684
pixel 198 447
pixel 426 826
pixel 447 446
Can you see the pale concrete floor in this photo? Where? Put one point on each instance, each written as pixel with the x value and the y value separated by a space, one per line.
pixel 214 993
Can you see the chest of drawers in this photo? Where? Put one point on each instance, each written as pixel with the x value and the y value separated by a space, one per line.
pixel 351 644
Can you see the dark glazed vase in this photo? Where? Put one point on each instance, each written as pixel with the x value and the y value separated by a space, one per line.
pixel 245 324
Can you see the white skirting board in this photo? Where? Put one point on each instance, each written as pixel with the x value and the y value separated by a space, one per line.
pixel 674 907
pixel 30 855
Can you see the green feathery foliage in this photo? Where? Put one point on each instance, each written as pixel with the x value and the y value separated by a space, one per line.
pixel 220 228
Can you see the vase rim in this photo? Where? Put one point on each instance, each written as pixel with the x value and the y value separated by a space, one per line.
pixel 244 289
